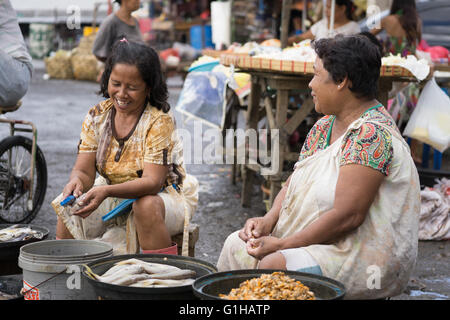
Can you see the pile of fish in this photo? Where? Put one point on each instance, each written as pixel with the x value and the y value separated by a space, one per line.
pixel 137 273
pixel 18 233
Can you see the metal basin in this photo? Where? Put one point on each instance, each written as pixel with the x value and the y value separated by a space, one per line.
pixel 10 250
pixel 210 286
pixel 117 292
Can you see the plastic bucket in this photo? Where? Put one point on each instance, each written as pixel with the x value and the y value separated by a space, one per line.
pixel 208 36
pixel 196 35
pixel 201 37
pixel 52 268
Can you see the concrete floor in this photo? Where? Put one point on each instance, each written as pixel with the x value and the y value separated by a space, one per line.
pixel 58 107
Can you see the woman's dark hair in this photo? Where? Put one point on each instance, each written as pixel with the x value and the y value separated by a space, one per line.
pixel 354 57
pixel 349 7
pixel 118 1
pixel 147 62
pixel 373 39
pixel 409 19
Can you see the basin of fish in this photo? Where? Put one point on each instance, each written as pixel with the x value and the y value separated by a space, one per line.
pixel 146 276
pixel 18 232
pixel 12 237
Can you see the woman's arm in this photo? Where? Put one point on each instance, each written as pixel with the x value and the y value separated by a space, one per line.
pixel 82 176
pixel 297 38
pixel 262 226
pixel 150 183
pixel 356 189
pixel 376 31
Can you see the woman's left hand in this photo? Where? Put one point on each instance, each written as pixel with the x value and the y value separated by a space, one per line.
pixel 91 200
pixel 261 247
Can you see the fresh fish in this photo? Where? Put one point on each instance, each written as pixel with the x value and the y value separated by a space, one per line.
pixel 129 279
pixel 114 269
pixel 16 233
pixel 174 275
pixel 161 283
pixel 77 204
pixel 117 277
pixel 149 266
pixel 133 271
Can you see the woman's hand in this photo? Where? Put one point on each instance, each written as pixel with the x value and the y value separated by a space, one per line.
pixel 74 187
pixel 91 200
pixel 255 228
pixel 261 247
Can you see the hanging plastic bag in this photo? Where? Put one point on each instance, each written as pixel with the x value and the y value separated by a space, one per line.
pixel 430 120
pixel 203 97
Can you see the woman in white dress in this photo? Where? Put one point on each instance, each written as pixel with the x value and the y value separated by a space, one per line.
pixel 343 23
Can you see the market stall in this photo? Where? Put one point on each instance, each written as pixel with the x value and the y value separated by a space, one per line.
pixel 285 76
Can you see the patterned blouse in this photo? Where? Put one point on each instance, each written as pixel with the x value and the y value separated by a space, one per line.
pixel 398 45
pixel 121 160
pixel 369 145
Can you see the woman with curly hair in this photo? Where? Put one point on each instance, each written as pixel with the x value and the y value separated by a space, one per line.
pixel 129 139
pixel 350 208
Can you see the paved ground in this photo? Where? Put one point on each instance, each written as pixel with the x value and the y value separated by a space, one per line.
pixel 57 107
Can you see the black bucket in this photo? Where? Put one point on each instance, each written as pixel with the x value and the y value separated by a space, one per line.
pixel 107 291
pixel 10 250
pixel 210 286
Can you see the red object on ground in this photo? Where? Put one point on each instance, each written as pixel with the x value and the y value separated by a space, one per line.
pixel 173 249
pixel 436 52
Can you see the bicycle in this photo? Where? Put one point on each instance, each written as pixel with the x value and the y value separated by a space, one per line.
pixel 23 172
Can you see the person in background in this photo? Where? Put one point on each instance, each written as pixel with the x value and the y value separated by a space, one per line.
pixel 116 26
pixel 403 29
pixel 403 34
pixel 352 204
pixel 343 23
pixel 130 140
pixel 15 62
pixel 295 25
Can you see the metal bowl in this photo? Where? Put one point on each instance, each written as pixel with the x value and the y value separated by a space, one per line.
pixel 10 250
pixel 109 291
pixel 210 286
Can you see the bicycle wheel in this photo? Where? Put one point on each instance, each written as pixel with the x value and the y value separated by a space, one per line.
pixel 15 170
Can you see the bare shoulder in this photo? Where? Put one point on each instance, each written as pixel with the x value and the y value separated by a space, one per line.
pixel 390 20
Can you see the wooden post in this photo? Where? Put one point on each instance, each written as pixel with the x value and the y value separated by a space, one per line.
pixel 280 120
pixel 285 17
pixel 304 15
pixel 251 123
pixel 384 86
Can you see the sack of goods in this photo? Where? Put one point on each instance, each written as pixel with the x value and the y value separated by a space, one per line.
pixel 84 66
pixel 84 63
pixel 59 66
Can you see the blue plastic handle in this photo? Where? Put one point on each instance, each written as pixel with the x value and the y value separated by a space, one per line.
pixel 122 208
pixel 67 200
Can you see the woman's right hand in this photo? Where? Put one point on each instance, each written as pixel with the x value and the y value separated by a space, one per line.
pixel 74 187
pixel 255 228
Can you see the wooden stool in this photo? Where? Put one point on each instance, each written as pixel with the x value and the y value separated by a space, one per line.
pixel 194 230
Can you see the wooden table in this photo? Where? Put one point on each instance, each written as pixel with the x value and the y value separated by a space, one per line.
pixel 261 105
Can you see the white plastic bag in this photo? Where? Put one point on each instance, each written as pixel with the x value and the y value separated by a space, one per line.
pixel 430 120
